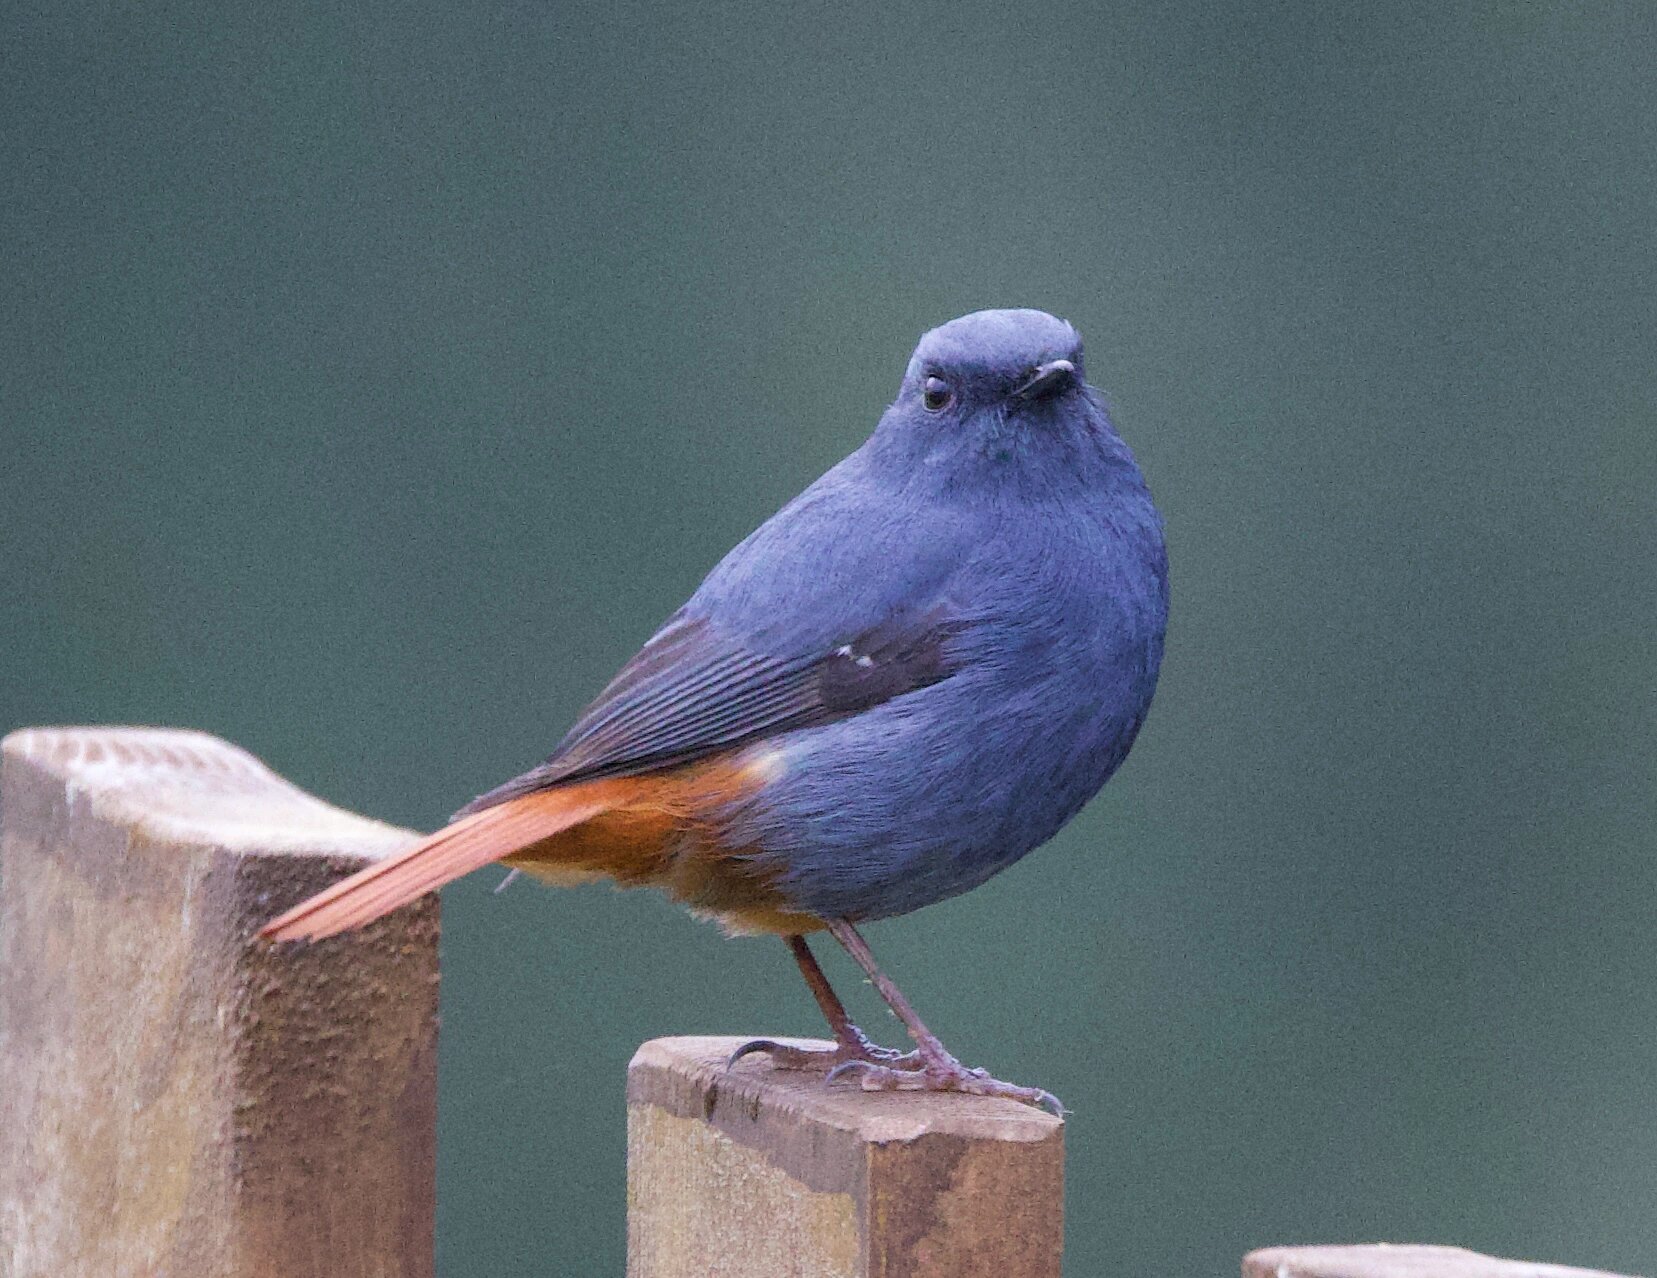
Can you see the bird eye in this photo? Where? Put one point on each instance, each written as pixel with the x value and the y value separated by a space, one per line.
pixel 936 394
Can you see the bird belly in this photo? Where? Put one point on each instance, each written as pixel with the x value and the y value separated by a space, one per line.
pixel 929 796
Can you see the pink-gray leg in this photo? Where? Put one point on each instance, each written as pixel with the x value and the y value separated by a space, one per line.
pixel 852 1046
pixel 936 1070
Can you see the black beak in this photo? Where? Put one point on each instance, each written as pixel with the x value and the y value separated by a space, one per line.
pixel 1048 379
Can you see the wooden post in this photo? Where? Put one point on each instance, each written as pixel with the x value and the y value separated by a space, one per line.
pixel 176 1098
pixel 1388 1261
pixel 764 1172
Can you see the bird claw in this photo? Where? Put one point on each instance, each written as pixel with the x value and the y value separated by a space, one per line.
pixel 852 1049
pixel 942 1075
pixel 755 1045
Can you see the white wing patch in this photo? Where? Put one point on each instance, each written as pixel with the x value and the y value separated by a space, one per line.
pixel 861 660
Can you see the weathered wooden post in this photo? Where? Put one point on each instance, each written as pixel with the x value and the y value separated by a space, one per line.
pixel 758 1171
pixel 176 1099
pixel 1384 1260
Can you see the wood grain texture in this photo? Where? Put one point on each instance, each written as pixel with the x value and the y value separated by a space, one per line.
pixel 764 1172
pixel 1383 1260
pixel 178 1098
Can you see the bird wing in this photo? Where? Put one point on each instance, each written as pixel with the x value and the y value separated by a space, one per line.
pixel 695 690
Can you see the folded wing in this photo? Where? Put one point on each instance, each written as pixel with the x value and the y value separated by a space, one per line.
pixel 693 691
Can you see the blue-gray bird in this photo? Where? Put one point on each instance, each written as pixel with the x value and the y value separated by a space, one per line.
pixel 913 674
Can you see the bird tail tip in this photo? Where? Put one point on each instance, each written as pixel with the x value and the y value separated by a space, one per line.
pixel 457 849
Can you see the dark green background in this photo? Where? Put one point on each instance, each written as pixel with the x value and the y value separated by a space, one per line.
pixel 373 378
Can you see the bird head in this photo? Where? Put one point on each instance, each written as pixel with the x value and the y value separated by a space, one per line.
pixel 1007 361
pixel 995 387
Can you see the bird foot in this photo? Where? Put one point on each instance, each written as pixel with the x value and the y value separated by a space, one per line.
pixel 941 1072
pixel 851 1048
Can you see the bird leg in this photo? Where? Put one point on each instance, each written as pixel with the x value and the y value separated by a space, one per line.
pixel 851 1044
pixel 936 1070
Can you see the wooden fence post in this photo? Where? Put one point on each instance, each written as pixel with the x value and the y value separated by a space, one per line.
pixel 1384 1260
pixel 763 1172
pixel 175 1098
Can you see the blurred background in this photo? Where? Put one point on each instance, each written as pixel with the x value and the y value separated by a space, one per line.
pixel 376 377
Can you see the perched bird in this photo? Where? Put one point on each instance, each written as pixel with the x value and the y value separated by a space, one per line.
pixel 906 679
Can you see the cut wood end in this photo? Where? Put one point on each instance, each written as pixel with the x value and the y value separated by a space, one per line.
pixel 1387 1260
pixel 687 1076
pixel 762 1170
pixel 193 787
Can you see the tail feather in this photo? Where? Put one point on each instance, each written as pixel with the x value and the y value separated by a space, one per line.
pixel 457 849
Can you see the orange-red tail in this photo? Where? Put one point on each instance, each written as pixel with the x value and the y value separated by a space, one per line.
pixel 471 842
